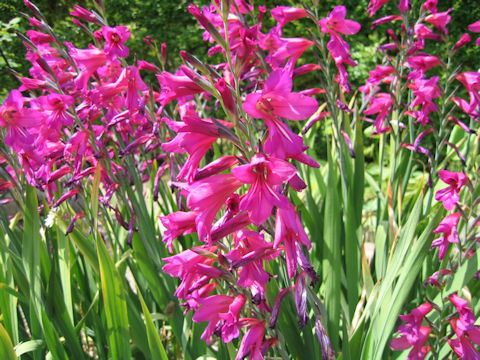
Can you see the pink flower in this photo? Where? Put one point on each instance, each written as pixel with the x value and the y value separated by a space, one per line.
pixel 290 232
pixel 250 251
pixel 471 81
pixel 434 279
pixel 88 61
pixel 176 86
pixel 448 227
pixel 220 311
pixel 413 333
pixel 285 14
pixel 263 174
pixel 39 38
pixel 425 90
pixel 377 76
pixel 382 105
pixel 56 106
pixel 475 27
pixel 231 324
pixel 86 15
pixel 464 39
pixel 281 48
pixel 251 344
pixel 193 269
pixel 404 5
pixel 440 20
pixel 195 136
pixel 18 120
pixel 467 333
pixel 277 99
pixel 423 62
pixel 470 108
pixel 176 224
pixel 430 5
pixel 207 196
pixel 339 50
pixel 336 23
pixel 374 6
pixel 115 38
pixel 385 19
pixel 450 195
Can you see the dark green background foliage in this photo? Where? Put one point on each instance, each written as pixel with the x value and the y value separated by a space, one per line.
pixel 169 22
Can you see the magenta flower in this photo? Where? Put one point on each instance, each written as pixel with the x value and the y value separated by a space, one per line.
pixel 207 196
pixel 430 5
pixel 374 6
pixel 413 333
pixel 277 99
pixel 176 86
pixel 339 50
pixel 56 106
pixel 467 333
pixel 17 120
pixel 301 298
pixel 195 136
pixel 281 48
pixel 382 105
pixel 252 342
pixel 39 38
pixel 440 20
pixel 86 15
pixel 423 63
pixel 115 38
pixel 285 14
pixel 404 5
pixel 448 227
pixel 434 279
pixel 220 311
pixel 425 91
pixel 471 81
pixel 250 251
pixel 176 224
pixel 290 232
pixel 475 27
pixel 88 61
pixel 231 324
pixel 450 195
pixel 263 173
pixel 193 269
pixel 336 23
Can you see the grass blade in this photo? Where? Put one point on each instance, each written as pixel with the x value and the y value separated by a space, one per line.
pixel 331 253
pixel 6 347
pixel 155 343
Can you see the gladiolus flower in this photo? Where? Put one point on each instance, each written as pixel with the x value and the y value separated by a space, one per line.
pixel 18 120
pixel 285 14
pixel 252 341
pixel 413 333
pixel 448 227
pixel 336 23
pixel 277 99
pixel 290 232
pixel 264 174
pixel 223 311
pixel 450 195
pixel 176 224
pixel 467 333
